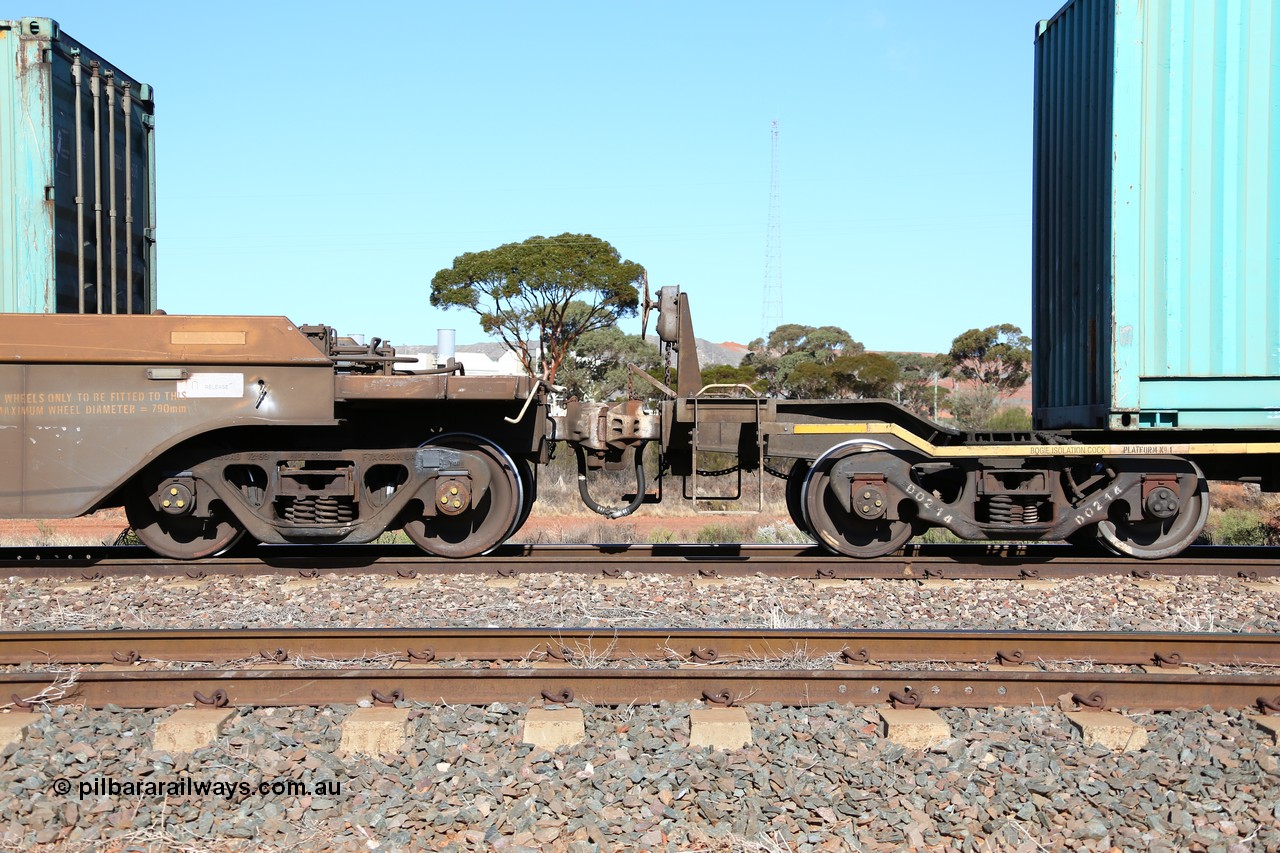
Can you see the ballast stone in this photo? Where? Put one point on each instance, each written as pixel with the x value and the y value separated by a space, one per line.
pixel 190 729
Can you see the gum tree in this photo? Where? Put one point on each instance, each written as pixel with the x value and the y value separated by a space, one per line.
pixel 541 295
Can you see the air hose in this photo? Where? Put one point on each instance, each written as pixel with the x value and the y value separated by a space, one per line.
pixel 606 511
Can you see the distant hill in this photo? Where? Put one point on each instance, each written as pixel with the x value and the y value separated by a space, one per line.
pixel 709 354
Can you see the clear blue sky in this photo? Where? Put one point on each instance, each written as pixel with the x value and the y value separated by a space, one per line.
pixel 323 160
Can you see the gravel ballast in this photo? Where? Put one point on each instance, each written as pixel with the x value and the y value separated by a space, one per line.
pixel 816 779
pixel 1083 604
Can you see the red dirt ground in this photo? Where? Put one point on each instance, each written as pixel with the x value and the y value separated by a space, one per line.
pixel 106 525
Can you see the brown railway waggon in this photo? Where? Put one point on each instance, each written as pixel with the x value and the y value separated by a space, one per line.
pixel 208 429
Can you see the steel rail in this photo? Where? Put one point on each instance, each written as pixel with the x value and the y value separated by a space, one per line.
pixel 968 562
pixel 1157 691
pixel 638 644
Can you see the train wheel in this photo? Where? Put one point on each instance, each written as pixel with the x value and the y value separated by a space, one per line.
pixel 843 531
pixel 182 537
pixel 528 493
pixel 1154 538
pixel 795 495
pixel 487 523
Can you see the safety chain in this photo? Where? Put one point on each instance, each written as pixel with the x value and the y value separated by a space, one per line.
pixel 719 472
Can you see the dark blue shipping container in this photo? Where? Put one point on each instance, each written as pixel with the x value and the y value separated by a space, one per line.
pixel 1157 215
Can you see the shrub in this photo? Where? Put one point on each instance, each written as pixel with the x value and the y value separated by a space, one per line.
pixel 661 536
pixel 1237 526
pixel 937 536
pixel 716 534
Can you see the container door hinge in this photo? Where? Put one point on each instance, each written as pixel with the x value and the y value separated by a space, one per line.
pixel 148 120
pixel 149 234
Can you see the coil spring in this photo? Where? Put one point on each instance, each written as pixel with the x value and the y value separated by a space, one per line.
pixel 1011 509
pixel 320 510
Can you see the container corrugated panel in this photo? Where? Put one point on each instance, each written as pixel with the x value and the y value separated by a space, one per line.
pixel 1156 296
pixel 77 188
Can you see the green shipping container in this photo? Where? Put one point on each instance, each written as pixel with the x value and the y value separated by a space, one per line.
pixel 77 178
pixel 1156 295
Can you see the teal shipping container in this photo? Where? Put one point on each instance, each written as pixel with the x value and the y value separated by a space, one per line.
pixel 77 178
pixel 1156 282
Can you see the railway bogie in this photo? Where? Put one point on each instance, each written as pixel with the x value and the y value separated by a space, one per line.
pixel 209 428
pixel 867 475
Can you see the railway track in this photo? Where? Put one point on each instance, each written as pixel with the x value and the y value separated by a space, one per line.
pixel 1008 562
pixel 476 666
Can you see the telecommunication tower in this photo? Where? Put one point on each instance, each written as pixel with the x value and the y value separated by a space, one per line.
pixel 772 318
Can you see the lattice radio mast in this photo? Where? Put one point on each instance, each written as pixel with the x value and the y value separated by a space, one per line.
pixel 772 317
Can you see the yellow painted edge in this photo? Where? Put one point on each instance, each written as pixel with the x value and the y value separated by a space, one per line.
pixel 1178 449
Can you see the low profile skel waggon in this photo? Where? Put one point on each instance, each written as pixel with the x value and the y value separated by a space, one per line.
pixel 209 428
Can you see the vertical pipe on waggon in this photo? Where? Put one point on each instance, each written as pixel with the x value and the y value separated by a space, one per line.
pixel 75 76
pixel 128 196
pixel 95 87
pixel 111 182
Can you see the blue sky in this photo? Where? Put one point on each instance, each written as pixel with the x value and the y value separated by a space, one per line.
pixel 323 160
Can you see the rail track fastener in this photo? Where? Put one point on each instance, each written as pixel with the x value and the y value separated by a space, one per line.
pixel 425 656
pixel 559 654
pixel 130 657
pixel 908 698
pixel 1095 701
pixel 1014 658
pixel 719 698
pixel 563 696
pixel 219 699
pixel 707 655
pixel 380 698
